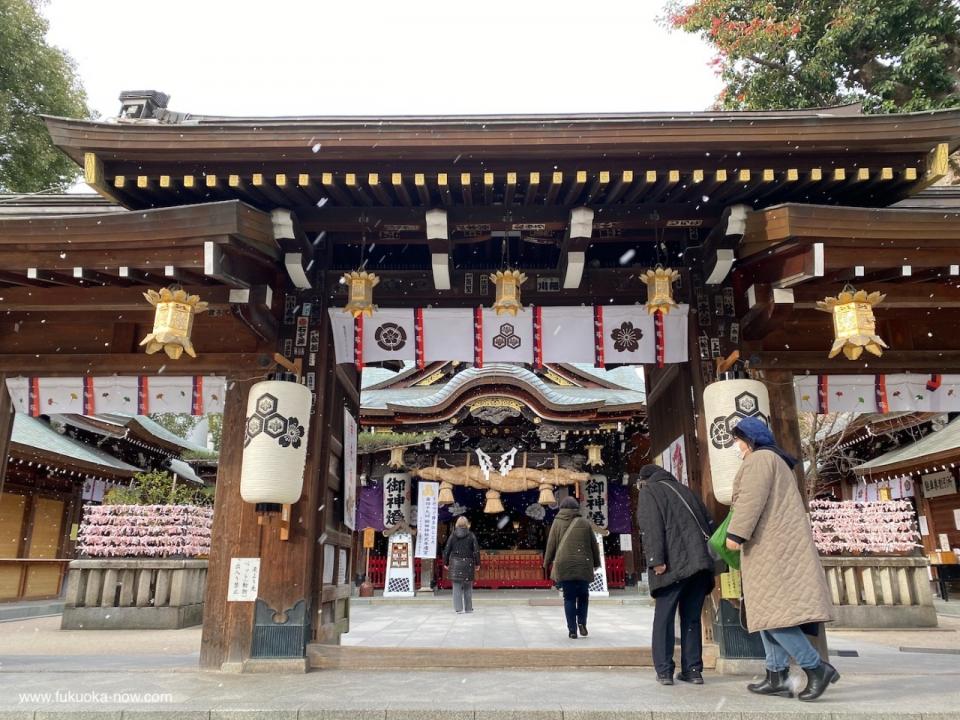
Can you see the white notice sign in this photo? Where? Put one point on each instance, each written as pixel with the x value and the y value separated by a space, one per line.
pixel 244 579
pixel 924 530
pixel 349 470
pixel 956 519
pixel 427 511
pixel 938 484
pixel 944 542
pixel 626 542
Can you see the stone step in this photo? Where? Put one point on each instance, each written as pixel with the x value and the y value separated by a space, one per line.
pixel 338 657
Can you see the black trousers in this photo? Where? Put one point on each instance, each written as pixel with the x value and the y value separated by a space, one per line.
pixel 687 596
pixel 576 599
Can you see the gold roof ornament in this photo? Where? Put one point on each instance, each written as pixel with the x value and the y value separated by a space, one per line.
pixel 507 284
pixel 594 459
pixel 854 325
pixel 660 289
pixel 172 322
pixel 360 284
pixel 396 458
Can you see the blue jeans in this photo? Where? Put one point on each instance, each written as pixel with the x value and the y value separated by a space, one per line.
pixel 576 598
pixel 780 644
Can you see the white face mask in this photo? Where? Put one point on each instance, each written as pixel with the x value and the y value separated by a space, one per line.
pixel 741 453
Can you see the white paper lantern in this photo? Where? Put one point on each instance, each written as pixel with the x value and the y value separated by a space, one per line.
pixel 275 445
pixel 726 403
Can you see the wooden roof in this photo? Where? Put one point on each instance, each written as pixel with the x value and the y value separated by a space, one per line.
pixel 607 161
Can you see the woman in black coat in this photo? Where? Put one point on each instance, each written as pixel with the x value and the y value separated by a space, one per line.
pixel 674 522
pixel 461 559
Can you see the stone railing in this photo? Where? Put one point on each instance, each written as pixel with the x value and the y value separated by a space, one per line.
pixel 880 592
pixel 141 593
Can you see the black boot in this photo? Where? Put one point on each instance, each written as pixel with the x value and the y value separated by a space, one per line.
pixel 817 680
pixel 774 684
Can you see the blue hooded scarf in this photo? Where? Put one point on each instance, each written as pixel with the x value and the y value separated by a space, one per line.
pixel 756 434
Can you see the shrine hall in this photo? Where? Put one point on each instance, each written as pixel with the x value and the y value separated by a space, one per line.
pixel 482 313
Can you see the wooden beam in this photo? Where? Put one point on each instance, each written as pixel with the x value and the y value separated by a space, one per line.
pixel 891 361
pixel 443 186
pixel 936 165
pixel 288 189
pixel 400 188
pixel 533 187
pixel 488 180
pixel 52 278
pixel 466 191
pixel 926 295
pixel 379 190
pixel 358 192
pixel 715 180
pixel 510 189
pixel 423 190
pixel 643 183
pixel 309 188
pixel 553 190
pixel 94 177
pixel 624 180
pixel 333 190
pixel 663 186
pixel 275 197
pixel 135 275
pixel 95 277
pixel 241 188
pixel 64 364
pixel 98 299
pixel 576 187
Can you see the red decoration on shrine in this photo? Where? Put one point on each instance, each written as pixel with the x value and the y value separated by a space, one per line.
pixel 418 336
pixel 538 336
pixel 358 341
pixel 478 337
pixel 598 334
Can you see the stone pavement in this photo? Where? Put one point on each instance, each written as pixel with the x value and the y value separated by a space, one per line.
pixel 48 674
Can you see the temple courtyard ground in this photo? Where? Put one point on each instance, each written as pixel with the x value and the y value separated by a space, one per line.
pixel 49 674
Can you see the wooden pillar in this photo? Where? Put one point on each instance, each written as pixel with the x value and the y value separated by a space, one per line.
pixel 228 626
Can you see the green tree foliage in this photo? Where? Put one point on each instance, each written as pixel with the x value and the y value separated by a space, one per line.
pixel 158 488
pixel 182 425
pixel 891 55
pixel 35 78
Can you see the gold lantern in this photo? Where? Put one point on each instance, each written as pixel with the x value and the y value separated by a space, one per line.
pixel 546 495
pixel 660 289
pixel 172 322
pixel 854 326
pixel 360 286
pixel 396 458
pixel 494 504
pixel 594 458
pixel 446 494
pixel 507 284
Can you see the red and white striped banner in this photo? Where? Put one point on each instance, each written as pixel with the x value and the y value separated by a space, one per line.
pixel 899 392
pixel 603 335
pixel 126 395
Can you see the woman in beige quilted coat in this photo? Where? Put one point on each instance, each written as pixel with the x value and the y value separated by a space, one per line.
pixel 784 587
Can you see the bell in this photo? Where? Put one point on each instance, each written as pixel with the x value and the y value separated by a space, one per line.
pixel 360 286
pixel 396 459
pixel 507 284
pixel 494 505
pixel 546 495
pixel 446 494
pixel 172 322
pixel 660 289
pixel 594 459
pixel 854 324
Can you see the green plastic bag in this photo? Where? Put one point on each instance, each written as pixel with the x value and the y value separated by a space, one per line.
pixel 718 541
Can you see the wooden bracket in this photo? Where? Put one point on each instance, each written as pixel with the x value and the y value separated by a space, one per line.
pixel 285 516
pixel 296 366
pixel 724 364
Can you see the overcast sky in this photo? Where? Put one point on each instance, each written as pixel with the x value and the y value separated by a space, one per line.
pixel 336 57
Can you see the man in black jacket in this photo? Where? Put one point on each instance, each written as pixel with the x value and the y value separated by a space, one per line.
pixel 674 523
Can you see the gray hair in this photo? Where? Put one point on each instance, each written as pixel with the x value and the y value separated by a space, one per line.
pixel 569 503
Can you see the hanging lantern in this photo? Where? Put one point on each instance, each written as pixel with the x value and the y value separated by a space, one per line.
pixel 494 505
pixel 396 459
pixel 507 284
pixel 854 326
pixel 726 403
pixel 446 494
pixel 660 289
pixel 360 286
pixel 275 444
pixel 594 459
pixel 546 495
pixel 172 322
